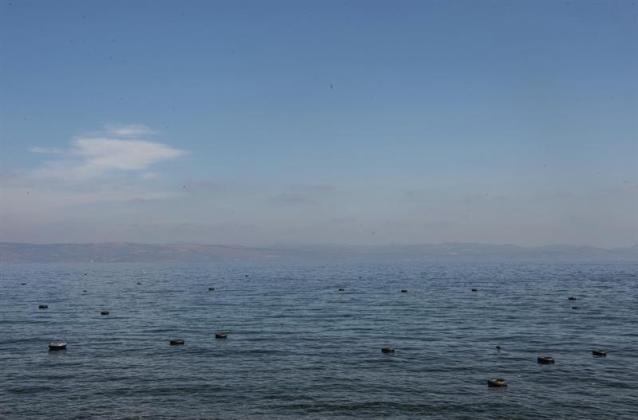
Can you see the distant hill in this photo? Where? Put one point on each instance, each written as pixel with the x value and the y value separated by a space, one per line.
pixel 132 252
pixel 128 252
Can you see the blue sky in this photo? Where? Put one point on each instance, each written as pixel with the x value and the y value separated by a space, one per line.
pixel 364 122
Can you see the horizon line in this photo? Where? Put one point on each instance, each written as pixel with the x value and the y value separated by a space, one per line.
pixel 333 245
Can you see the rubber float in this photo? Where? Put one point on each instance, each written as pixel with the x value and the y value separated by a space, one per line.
pixel 57 345
pixel 496 383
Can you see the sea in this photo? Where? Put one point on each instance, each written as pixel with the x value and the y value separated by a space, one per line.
pixel 299 347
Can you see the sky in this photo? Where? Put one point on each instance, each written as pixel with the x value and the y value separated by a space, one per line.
pixel 319 122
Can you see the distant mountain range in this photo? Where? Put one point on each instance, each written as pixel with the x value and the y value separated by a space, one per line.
pixel 134 252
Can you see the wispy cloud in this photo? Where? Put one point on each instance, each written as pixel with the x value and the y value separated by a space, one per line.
pixel 307 195
pixel 129 130
pixel 71 179
pixel 293 199
pixel 46 150
pixel 92 156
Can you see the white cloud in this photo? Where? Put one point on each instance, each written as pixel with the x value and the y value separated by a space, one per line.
pixel 129 130
pixel 106 153
pixel 89 157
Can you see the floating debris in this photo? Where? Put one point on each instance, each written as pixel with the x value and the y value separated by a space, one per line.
pixel 24 284
pixel 176 342
pixel 574 307
pixel 210 289
pixel 404 290
pixel 43 306
pixel 498 348
pixel 221 335
pixel 104 312
pixel 599 353
pixel 571 298
pixel 57 345
pixel 387 349
pixel 341 289
pixel 496 383
pixel 545 360
pixel 475 290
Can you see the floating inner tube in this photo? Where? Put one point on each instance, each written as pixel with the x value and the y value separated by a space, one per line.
pixel 545 360
pixel 496 383
pixel 599 353
pixel 57 345
pixel 176 342
pixel 404 290
pixel 221 334
pixel 43 306
pixel 387 350
pixel 104 312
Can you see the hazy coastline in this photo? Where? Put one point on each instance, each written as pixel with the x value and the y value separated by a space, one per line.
pixel 182 252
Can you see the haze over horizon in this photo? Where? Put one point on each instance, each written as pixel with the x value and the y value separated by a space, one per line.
pixel 284 122
pixel 326 245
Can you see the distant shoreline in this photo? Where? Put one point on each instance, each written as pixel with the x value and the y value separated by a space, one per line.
pixel 192 253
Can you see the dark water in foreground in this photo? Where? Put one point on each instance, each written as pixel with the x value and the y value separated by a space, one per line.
pixel 299 347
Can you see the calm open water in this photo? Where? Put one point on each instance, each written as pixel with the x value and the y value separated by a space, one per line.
pixel 299 347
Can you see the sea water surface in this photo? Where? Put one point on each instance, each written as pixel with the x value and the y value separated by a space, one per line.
pixel 299 347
